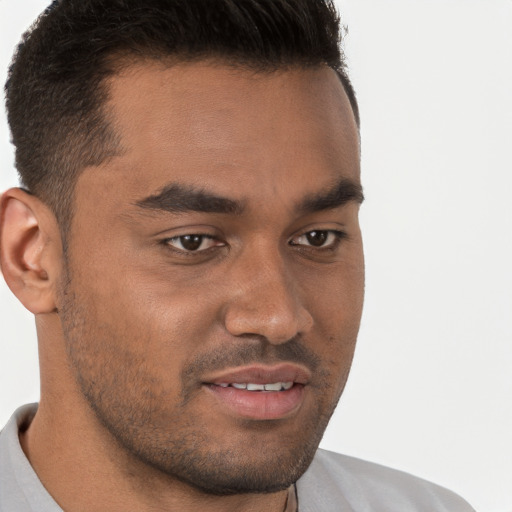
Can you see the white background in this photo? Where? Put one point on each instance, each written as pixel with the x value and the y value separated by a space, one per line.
pixel 431 387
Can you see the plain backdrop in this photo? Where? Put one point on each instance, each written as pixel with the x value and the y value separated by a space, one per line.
pixel 431 386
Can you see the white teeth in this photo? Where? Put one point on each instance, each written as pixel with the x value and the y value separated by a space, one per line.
pixel 256 387
pixel 274 386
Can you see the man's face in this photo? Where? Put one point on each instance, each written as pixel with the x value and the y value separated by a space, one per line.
pixel 220 251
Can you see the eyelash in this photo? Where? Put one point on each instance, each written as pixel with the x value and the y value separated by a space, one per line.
pixel 333 245
pixel 189 252
pixel 338 237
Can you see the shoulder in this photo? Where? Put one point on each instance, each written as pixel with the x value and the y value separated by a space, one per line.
pixel 20 488
pixel 337 482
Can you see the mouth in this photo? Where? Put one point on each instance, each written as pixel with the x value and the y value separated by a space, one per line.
pixel 260 392
pixel 252 386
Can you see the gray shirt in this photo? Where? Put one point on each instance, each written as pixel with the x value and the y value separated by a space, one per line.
pixel 333 483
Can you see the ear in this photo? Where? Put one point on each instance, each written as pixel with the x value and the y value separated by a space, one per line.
pixel 30 250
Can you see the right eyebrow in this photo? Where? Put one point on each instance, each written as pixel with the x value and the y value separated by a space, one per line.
pixel 177 198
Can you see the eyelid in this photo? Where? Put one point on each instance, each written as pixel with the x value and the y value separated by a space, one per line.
pixel 188 252
pixel 338 236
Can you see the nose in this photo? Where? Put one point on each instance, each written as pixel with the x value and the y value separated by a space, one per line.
pixel 265 301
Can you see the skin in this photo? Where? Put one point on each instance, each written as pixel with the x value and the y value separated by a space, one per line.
pixel 131 325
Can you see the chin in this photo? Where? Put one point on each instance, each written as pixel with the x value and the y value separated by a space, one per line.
pixel 222 476
pixel 251 466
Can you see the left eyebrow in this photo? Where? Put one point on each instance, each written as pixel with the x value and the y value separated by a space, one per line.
pixel 343 192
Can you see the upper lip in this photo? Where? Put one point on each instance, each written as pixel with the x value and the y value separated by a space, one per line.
pixel 262 374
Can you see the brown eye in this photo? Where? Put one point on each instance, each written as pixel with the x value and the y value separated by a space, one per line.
pixel 192 243
pixel 317 238
pixel 320 239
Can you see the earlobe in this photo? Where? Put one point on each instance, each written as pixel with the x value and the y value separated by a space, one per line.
pixel 30 250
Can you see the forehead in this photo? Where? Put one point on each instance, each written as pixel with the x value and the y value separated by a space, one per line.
pixel 232 130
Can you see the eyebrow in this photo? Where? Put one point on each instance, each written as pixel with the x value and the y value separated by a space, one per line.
pixel 343 192
pixel 178 198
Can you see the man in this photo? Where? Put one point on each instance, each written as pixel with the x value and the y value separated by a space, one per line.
pixel 187 237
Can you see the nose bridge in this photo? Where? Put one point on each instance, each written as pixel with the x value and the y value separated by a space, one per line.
pixel 265 299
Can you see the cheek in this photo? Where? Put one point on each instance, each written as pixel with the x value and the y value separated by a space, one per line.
pixel 131 319
pixel 335 296
pixel 335 300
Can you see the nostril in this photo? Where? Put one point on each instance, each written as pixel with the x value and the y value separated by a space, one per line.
pixel 275 323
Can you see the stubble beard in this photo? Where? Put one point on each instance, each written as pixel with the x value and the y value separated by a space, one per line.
pixel 120 392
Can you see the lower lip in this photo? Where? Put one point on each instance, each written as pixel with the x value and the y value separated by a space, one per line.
pixel 259 405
